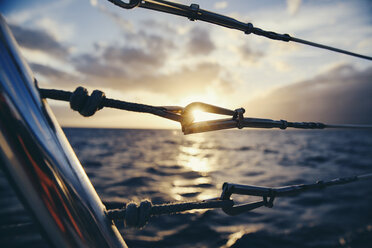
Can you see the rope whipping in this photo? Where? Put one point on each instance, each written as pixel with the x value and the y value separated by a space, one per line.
pixel 87 105
pixel 194 12
pixel 137 215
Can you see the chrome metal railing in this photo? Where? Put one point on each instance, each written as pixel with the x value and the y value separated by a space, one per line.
pixel 40 163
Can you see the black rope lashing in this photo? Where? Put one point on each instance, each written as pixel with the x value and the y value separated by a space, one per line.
pixel 83 103
pixel 87 105
pixel 238 116
pixel 137 215
pixel 194 12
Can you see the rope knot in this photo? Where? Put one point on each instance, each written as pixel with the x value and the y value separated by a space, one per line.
pixel 194 9
pixel 268 203
pixel 238 116
pixel 284 124
pixel 83 103
pixel 249 28
pixel 137 215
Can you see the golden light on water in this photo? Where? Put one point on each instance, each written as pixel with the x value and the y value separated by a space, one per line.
pixel 191 158
pixel 194 187
pixel 185 182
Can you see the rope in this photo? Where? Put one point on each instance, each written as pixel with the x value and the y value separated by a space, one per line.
pixel 193 12
pixel 87 105
pixel 272 193
pixel 135 215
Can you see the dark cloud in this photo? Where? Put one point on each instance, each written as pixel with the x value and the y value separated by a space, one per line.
pixel 92 66
pixel 152 43
pixel 54 76
pixel 132 57
pixel 138 65
pixel 161 26
pixel 139 59
pixel 141 54
pixel 38 40
pixel 187 80
pixel 200 42
pixel 342 95
pixel 135 65
pixel 247 54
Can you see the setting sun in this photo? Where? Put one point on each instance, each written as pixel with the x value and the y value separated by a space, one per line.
pixel 203 116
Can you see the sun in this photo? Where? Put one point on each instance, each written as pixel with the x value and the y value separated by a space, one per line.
pixel 203 116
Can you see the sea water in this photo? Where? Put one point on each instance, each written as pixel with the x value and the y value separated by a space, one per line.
pixel 166 166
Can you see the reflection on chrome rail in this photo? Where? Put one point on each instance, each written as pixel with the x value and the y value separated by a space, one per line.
pixel 38 160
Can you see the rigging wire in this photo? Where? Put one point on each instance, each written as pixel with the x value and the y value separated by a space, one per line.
pixel 87 105
pixel 193 12
pixel 135 215
pixel 138 215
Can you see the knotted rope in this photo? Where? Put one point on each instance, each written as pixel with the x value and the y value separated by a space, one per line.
pixel 87 105
pixel 83 103
pixel 137 215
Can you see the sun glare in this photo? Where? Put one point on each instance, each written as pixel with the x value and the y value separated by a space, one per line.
pixel 203 116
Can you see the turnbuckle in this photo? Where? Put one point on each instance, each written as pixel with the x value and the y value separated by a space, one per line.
pixel 189 126
pixel 130 5
pixel 229 188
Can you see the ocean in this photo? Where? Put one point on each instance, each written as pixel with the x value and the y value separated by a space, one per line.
pixel 166 166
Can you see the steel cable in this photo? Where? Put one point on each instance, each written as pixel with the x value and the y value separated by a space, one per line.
pixel 194 12
pixel 87 105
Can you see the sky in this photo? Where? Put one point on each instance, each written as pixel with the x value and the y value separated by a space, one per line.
pixel 155 58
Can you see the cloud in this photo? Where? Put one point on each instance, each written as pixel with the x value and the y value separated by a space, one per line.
pixel 341 95
pixel 38 40
pixel 93 2
pixel 54 76
pixel 59 31
pixel 248 54
pixel 221 5
pixel 135 65
pixel 293 6
pixel 124 24
pixel 186 80
pixel 132 57
pixel 139 65
pixel 92 66
pixel 154 24
pixel 200 42
pixel 141 55
pixel 154 43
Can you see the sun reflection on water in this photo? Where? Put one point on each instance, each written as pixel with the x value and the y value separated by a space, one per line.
pixel 192 157
pixel 201 188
